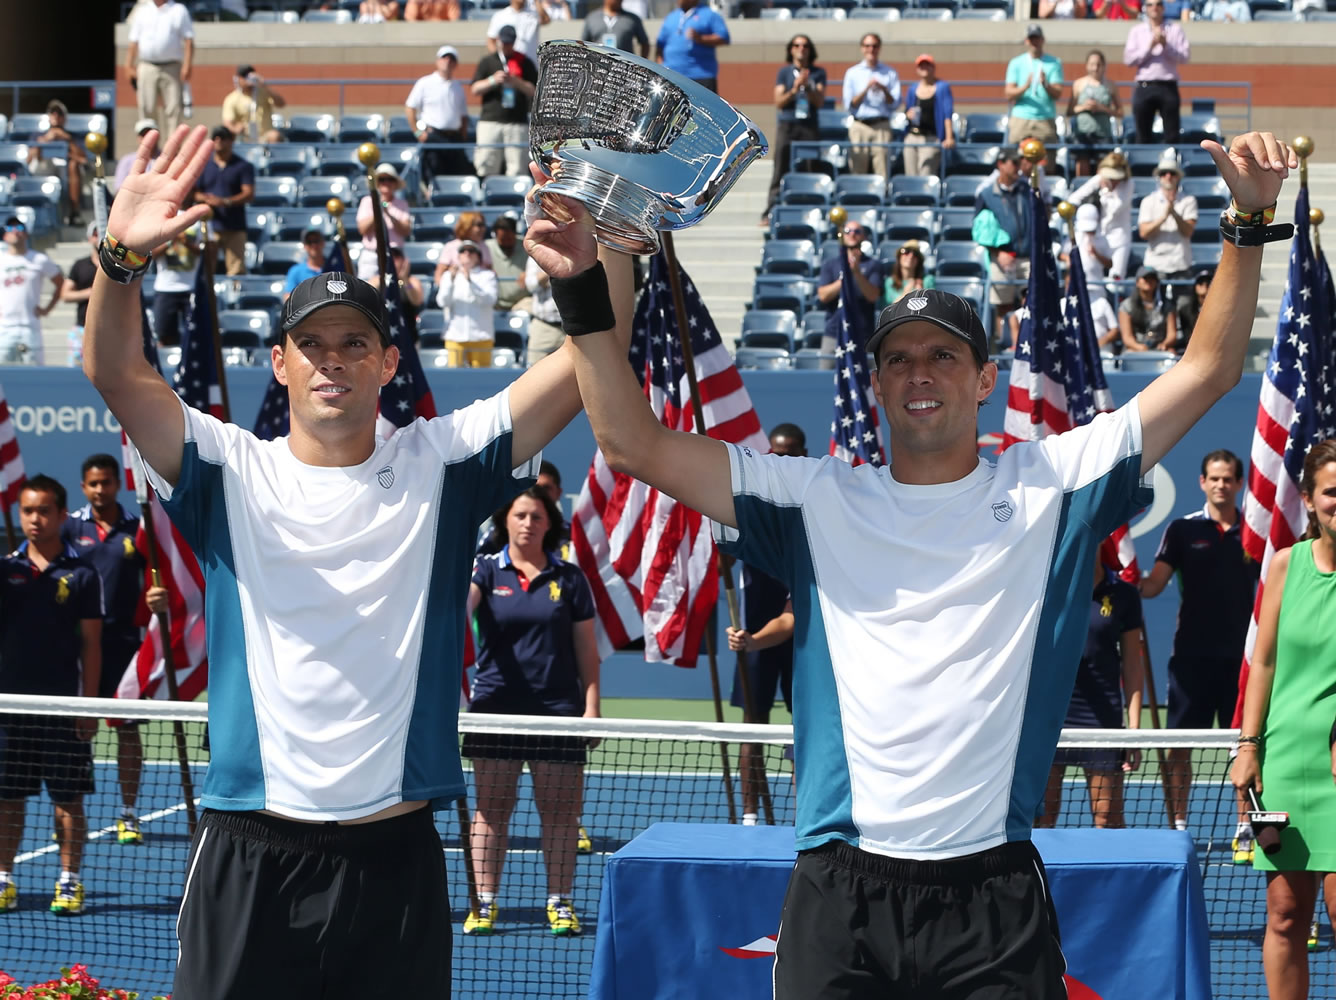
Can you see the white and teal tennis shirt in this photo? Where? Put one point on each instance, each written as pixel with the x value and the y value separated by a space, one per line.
pixel 938 629
pixel 335 608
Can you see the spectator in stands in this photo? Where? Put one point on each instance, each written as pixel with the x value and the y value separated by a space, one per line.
pixel 433 10
pixel 545 332
pixel 313 242
pixel 467 293
pixel 1033 85
pixel 869 274
pixel 1146 323
pixel 398 220
pixel 1188 307
pixel 126 162
pixel 76 159
pixel 537 655
pixel 173 284
pixel 1156 49
pixel 1063 10
pixel 687 41
pixel 800 91
pixel 907 273
pixel 505 80
pixel 1111 672
pixel 871 93
pixel 1095 256
pixel 227 186
pixel 1166 220
pixel 556 10
pixel 1092 110
pixel 524 19
pixel 617 28
pixel 50 638
pixel 1226 10
pixel 1111 190
pixel 1285 745
pixel 377 11
pixel 929 107
pixel 22 271
pixel 437 110
pixel 159 60
pixel 78 288
pixel 249 109
pixel 1009 261
pixel 508 260
pixel 469 226
pixel 1118 10
pixel 103 533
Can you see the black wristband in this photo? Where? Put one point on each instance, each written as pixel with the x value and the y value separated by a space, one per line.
pixel 583 302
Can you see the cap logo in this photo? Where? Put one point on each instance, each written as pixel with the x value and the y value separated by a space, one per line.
pixel 336 286
pixel 914 305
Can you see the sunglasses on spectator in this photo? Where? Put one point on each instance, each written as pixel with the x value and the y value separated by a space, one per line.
pixel 871 45
pixel 853 230
pixel 907 251
pixel 20 228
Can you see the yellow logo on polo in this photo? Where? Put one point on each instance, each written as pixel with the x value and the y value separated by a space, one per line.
pixel 1106 607
pixel 129 544
pixel 554 590
pixel 62 589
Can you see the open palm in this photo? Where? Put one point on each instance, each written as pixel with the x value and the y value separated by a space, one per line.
pixel 147 211
pixel 1255 166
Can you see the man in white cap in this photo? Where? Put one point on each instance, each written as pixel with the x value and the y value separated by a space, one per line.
pixel 437 108
pixel 22 271
pixel 123 165
pixel 1166 220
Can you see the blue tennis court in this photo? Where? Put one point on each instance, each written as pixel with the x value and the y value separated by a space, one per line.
pixel 126 935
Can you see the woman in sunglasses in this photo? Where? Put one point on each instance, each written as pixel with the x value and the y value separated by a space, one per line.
pixel 907 273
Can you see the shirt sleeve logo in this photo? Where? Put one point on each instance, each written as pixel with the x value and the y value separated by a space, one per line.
pixel 385 477
pixel 1003 510
pixel 554 591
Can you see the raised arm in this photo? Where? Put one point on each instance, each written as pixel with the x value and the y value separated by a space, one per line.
pixel 1254 167
pixel 145 214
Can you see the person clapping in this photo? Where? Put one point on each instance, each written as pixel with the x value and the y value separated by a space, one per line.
pixel 467 293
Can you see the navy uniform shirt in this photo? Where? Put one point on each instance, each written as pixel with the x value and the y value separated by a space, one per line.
pixel 226 182
pixel 40 616
pixel 526 647
pixel 763 599
pixel 1217 582
pixel 117 561
pixel 1097 698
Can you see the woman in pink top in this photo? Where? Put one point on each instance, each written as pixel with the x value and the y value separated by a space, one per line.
pixel 398 220
pixel 1156 49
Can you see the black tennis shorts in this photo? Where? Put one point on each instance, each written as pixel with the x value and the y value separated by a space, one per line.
pixel 42 749
pixel 525 746
pixel 277 908
pixel 1203 691
pixel 859 926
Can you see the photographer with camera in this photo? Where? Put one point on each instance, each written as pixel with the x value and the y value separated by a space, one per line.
pixel 249 109
pixel 1281 755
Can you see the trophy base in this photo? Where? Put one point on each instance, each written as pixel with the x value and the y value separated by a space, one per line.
pixel 626 216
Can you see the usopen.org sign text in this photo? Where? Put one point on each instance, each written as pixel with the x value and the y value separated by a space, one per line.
pixel 42 420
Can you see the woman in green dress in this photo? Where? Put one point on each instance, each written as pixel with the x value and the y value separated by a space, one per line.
pixel 1284 749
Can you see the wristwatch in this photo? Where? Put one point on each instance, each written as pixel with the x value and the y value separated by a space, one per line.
pixel 1252 229
pixel 119 263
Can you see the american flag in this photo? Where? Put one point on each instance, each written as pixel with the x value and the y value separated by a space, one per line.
pixel 197 377
pixel 12 476
pixel 1296 410
pixel 1057 378
pixel 855 433
pixel 407 396
pixel 650 561
pixel 181 575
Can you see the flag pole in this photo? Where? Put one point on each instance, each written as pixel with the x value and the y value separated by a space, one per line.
pixel 335 207
pixel 209 263
pixel 1315 218
pixel 164 636
pixel 689 360
pixel 368 154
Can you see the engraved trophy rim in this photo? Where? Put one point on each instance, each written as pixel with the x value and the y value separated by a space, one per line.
pixel 663 161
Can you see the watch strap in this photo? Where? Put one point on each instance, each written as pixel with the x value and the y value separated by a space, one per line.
pixel 1253 235
pixel 119 263
pixel 124 254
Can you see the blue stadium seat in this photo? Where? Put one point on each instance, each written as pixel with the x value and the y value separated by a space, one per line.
pixel 977 13
pixel 1197 162
pixel 926 14
pixel 290 225
pixel 80 123
pixel 400 129
pixel 329 16
pixel 762 357
pixel 769 328
pixel 1196 126
pixel 511 330
pixel 506 191
pixel 860 189
pixel 13 159
pixel 966 288
pixel 832 124
pixel 255 154
pixel 360 128
pixel 434 225
pixel 986 128
pixel 27 126
pixel 1212 194
pixel 1142 186
pixel 789 257
pixel 794 222
pixel 814 327
pixel 909 190
pixel 338 161
pixel 431 329
pixel 4 126
pixel 908 224
pixel 287 159
pixel 956 224
pixel 1143 159
pixel 242 333
pixel 972 160
pixel 1206 255
pixel 961 191
pixel 261 224
pixel 782 292
pixel 464 192
pixel 277 256
pixel 313 191
pixel 805 189
pixel 310 128
pixel 422 257
pixel 961 260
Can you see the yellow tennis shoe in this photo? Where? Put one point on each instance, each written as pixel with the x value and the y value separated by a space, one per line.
pixel 9 896
pixel 583 845
pixel 69 898
pixel 482 921
pixel 561 918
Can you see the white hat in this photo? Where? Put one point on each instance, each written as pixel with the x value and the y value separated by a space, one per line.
pixel 447 50
pixel 1169 163
pixel 387 170
pixel 1087 219
pixel 144 124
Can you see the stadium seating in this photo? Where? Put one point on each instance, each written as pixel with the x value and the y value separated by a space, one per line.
pixel 970 159
pixel 860 189
pixel 13 159
pixel 507 191
pixel 794 222
pixel 464 192
pixel 261 224
pixel 309 128
pixel 960 191
pixel 422 257
pixel 434 225
pixel 762 357
pixel 813 328
pixel 962 260
pixel 769 328
pixel 806 189
pixel 986 128
pixel 902 224
pixel 811 357
pixel 275 192
pixel 242 334
pixel 956 224
pixel 360 128
pixel 789 257
pixel 277 256
pixel 510 330
pixel 313 191
pixel 399 129
pixel 338 161
pixel 782 292
pixel 911 190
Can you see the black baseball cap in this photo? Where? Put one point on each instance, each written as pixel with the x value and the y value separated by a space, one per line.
pixel 335 288
pixel 506 33
pixel 222 132
pixel 952 313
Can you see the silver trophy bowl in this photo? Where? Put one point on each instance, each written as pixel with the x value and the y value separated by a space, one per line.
pixel 643 148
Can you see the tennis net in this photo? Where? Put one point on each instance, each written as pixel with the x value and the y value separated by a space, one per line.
pixel 636 773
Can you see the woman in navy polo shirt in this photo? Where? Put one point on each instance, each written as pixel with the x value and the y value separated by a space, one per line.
pixel 537 655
